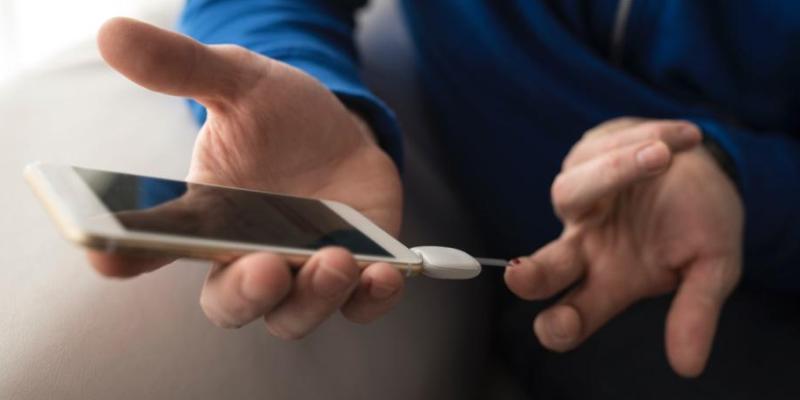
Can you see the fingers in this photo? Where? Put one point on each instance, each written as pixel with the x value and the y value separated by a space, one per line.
pixel 617 133
pixel 380 288
pixel 550 270
pixel 576 190
pixel 583 311
pixel 175 64
pixel 261 284
pixel 323 285
pixel 124 265
pixel 238 293
pixel 692 319
pixel 691 322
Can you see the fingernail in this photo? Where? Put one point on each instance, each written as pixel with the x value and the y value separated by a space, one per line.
pixel 653 157
pixel 329 282
pixel 380 291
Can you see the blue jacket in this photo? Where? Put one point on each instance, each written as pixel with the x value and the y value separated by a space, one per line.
pixel 514 83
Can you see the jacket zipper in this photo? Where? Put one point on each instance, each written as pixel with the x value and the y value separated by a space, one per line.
pixel 618 32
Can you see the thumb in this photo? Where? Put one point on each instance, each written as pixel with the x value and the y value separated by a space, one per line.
pixel 174 64
pixel 692 319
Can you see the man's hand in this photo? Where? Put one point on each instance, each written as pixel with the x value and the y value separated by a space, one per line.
pixel 269 127
pixel 646 211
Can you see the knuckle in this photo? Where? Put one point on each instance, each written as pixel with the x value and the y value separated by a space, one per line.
pixel 560 193
pixel 654 129
pixel 616 167
pixel 616 162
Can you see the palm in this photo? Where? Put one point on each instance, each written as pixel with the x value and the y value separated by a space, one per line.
pixel 322 151
pixel 269 127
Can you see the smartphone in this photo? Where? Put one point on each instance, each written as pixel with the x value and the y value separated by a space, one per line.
pixel 117 212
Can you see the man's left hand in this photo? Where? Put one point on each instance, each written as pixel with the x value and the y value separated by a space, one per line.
pixel 646 211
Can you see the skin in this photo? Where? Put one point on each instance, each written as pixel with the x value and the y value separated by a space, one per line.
pixel 646 210
pixel 270 127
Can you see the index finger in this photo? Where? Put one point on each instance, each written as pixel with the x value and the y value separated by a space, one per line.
pixel 677 135
pixel 575 191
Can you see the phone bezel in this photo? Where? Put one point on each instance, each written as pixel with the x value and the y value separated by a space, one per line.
pixel 84 219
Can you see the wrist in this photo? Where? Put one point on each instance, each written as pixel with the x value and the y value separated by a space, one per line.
pixel 721 157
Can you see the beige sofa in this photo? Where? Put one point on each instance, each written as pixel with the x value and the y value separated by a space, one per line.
pixel 66 333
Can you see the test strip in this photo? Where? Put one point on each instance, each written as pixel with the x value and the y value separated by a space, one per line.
pixel 492 262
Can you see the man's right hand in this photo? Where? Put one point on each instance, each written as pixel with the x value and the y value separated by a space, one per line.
pixel 269 127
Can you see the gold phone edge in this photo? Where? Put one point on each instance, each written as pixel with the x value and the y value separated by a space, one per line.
pixel 108 245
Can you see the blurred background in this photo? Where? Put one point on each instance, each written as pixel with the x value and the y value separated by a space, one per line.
pixel 32 32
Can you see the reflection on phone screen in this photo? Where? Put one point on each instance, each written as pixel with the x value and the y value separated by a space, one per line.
pixel 164 206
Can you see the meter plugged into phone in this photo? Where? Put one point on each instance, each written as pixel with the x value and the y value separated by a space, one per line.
pixel 449 263
pixel 124 212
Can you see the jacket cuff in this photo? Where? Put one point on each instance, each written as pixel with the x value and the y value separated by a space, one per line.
pixel 767 174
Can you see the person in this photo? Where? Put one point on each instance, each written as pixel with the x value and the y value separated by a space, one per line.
pixel 662 134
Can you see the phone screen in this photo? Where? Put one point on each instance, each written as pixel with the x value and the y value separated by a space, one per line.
pixel 163 206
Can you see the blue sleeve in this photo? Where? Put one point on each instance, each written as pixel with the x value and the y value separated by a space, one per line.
pixel 315 36
pixel 768 178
